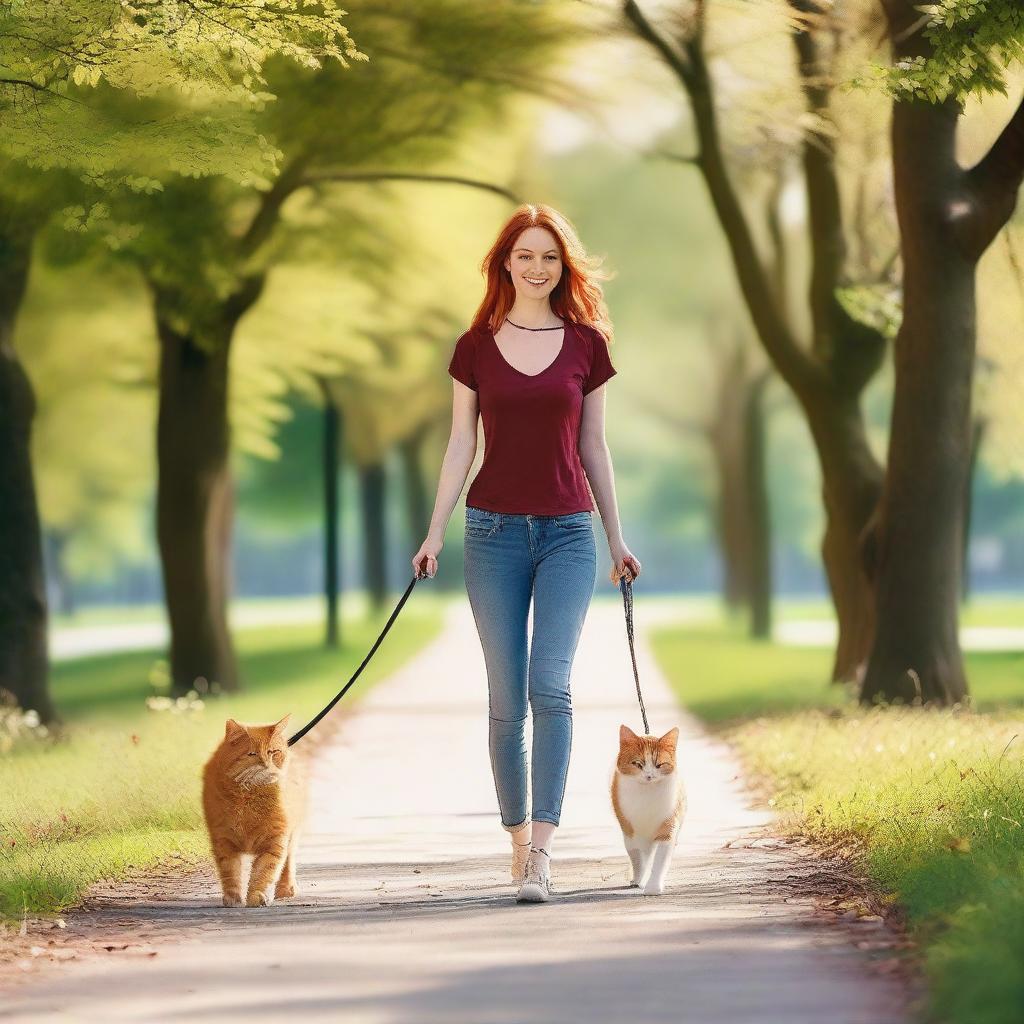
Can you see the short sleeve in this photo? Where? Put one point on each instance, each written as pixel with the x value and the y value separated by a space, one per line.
pixel 463 361
pixel 601 368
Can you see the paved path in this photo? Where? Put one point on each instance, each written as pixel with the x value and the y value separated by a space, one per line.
pixel 405 914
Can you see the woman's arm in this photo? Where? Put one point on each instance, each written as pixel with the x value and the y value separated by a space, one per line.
pixel 458 460
pixel 597 463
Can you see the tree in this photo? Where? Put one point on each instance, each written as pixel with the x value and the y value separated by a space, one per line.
pixel 730 422
pixel 949 215
pixel 829 369
pixel 208 246
pixel 107 93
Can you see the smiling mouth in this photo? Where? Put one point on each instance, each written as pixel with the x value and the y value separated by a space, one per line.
pixel 528 281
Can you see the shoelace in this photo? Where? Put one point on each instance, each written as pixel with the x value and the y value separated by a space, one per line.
pixel 536 875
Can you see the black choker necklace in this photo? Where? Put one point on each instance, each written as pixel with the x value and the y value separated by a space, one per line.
pixel 558 327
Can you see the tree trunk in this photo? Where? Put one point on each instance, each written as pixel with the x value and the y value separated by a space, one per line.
pixel 331 456
pixel 757 510
pixel 24 659
pixel 24 664
pixel 842 354
pixel 731 525
pixel 194 507
pixel 918 542
pixel 851 486
pixel 372 483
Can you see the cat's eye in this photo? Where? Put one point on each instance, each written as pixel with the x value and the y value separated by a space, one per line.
pixel 637 764
pixel 252 753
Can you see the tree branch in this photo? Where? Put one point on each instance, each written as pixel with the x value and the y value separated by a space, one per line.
pixel 646 31
pixel 828 244
pixel 995 182
pixel 262 224
pixel 780 251
pixel 793 364
pixel 317 177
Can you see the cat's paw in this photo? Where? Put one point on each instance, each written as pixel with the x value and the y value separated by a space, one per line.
pixel 653 888
pixel 284 890
pixel 259 899
pixel 234 900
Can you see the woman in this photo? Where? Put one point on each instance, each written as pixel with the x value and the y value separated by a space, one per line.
pixel 532 365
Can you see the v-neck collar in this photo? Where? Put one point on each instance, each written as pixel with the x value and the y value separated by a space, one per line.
pixel 533 376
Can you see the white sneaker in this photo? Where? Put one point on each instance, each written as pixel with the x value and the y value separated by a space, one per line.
pixel 520 855
pixel 536 887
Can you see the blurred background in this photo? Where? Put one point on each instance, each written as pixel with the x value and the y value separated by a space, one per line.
pixel 235 255
pixel 363 286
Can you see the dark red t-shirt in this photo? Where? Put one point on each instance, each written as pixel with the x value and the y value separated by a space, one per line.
pixel 532 421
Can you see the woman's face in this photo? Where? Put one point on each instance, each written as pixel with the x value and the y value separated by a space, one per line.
pixel 535 263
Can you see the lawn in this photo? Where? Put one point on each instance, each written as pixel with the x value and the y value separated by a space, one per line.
pixel 928 804
pixel 119 791
pixel 993 610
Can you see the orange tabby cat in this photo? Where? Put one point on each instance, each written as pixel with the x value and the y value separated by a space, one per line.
pixel 649 800
pixel 254 799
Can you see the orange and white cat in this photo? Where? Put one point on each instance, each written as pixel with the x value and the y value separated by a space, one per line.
pixel 254 800
pixel 649 800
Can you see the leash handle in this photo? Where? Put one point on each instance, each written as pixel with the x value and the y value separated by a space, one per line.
pixel 420 574
pixel 626 586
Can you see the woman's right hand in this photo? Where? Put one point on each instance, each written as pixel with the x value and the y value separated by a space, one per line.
pixel 429 550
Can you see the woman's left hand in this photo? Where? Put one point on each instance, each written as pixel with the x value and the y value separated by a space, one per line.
pixel 625 564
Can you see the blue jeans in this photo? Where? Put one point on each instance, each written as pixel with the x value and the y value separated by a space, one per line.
pixel 508 560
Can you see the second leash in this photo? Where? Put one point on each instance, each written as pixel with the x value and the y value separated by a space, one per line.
pixel 626 586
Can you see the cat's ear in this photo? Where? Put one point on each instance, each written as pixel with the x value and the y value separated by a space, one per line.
pixel 282 725
pixel 626 735
pixel 232 730
pixel 670 738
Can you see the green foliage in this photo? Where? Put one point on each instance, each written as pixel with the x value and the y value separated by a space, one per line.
pixel 970 44
pixel 877 305
pixel 119 792
pixel 100 86
pixel 929 805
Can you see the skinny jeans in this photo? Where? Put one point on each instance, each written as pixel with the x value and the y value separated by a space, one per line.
pixel 510 559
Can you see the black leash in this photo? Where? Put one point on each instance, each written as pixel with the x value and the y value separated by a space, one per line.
pixel 626 586
pixel 394 615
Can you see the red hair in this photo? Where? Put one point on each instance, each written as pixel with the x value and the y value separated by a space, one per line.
pixel 577 297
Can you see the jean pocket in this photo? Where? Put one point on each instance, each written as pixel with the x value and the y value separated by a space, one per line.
pixel 479 522
pixel 574 520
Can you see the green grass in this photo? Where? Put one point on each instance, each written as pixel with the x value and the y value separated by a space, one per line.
pixel 119 791
pixel 929 804
pixel 1000 610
